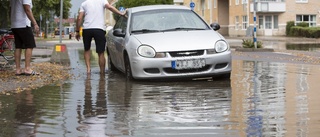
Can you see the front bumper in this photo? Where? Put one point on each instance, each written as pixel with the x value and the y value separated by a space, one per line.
pixel 157 68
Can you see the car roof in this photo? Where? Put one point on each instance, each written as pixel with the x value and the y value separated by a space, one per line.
pixel 155 7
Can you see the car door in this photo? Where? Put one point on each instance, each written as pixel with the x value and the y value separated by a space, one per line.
pixel 118 44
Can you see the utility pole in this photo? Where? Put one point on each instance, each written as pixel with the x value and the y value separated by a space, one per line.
pixel 255 23
pixel 60 22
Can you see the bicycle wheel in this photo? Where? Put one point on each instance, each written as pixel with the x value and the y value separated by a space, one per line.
pixel 8 48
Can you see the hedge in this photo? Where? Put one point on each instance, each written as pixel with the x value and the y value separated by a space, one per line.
pixel 309 32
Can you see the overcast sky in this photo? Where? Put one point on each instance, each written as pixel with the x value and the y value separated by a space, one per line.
pixel 75 6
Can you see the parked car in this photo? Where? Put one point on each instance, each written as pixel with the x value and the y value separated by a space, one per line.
pixel 167 41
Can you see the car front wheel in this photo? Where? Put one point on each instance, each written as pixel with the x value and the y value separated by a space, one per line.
pixel 110 64
pixel 128 71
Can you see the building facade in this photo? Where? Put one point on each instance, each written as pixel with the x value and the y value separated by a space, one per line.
pixel 236 17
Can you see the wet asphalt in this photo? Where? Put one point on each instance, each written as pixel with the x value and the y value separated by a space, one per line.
pixel 264 97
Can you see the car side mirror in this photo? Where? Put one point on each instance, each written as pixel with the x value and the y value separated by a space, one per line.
pixel 215 26
pixel 118 33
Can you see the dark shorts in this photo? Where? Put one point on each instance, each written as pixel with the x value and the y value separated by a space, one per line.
pixel 23 38
pixel 99 38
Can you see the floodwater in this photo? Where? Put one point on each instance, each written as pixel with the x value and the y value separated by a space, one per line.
pixel 261 99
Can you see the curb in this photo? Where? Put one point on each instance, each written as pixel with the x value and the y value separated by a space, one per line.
pixel 254 50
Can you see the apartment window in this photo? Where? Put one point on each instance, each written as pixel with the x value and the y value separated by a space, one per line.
pixel 275 22
pixel 244 1
pixel 302 1
pixel 237 2
pixel 215 3
pixel 268 22
pixel 237 22
pixel 244 5
pixel 310 19
pixel 244 22
pixel 203 6
pixel 261 22
pixel 230 2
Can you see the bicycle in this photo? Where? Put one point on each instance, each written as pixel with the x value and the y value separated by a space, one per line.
pixel 7 45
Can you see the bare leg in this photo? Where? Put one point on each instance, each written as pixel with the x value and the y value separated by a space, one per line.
pixel 17 60
pixel 87 60
pixel 102 62
pixel 28 54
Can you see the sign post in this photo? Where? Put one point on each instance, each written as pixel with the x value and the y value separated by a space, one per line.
pixel 192 5
pixel 255 24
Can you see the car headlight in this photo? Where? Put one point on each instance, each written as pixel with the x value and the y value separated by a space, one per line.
pixel 146 51
pixel 221 46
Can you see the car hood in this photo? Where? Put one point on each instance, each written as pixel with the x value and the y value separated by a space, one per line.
pixel 180 40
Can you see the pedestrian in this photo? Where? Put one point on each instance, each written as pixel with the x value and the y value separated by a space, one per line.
pixel 21 19
pixel 93 13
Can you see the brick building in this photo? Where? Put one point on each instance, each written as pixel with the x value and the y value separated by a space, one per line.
pixel 236 16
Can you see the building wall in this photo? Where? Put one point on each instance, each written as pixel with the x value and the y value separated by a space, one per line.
pixel 236 10
pixel 312 7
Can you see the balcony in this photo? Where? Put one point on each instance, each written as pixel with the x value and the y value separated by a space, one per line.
pixel 267 6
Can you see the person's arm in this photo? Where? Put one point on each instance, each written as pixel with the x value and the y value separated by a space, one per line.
pixel 29 13
pixel 79 22
pixel 114 10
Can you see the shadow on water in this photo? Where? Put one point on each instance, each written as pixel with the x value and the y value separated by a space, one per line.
pixel 261 99
pixel 303 47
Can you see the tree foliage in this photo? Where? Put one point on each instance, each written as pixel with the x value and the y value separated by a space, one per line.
pixel 4 14
pixel 47 8
pixel 135 3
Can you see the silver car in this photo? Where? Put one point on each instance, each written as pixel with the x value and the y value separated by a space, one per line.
pixel 167 41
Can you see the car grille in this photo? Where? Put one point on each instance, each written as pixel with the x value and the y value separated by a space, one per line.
pixel 187 53
pixel 175 71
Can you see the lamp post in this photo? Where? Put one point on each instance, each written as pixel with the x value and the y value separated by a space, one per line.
pixel 255 23
pixel 60 22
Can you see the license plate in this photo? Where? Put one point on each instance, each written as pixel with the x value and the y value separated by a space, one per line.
pixel 188 64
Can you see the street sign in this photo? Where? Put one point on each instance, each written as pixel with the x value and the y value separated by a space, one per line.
pixel 121 9
pixel 192 5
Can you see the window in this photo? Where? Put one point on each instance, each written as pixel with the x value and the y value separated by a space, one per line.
pixel 237 2
pixel 275 22
pixel 214 3
pixel 237 22
pixel 244 1
pixel 244 22
pixel 268 22
pixel 310 19
pixel 302 1
pixel 203 7
pixel 261 22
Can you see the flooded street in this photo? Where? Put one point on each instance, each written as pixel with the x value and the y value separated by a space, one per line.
pixel 261 99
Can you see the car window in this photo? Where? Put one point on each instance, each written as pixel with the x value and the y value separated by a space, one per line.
pixel 121 23
pixel 166 19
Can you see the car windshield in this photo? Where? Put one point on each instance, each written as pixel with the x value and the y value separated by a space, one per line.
pixel 166 20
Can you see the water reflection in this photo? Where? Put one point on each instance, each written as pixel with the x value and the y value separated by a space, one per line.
pixel 92 115
pixel 275 99
pixel 303 47
pixel 198 108
pixel 25 114
pixel 261 99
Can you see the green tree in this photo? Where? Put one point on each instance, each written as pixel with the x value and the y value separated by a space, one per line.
pixel 47 8
pixel 135 3
pixel 4 14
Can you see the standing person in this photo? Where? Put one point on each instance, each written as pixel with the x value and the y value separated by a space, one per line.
pixel 21 19
pixel 93 12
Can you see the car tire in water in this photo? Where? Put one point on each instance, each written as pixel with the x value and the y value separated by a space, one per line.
pixel 111 66
pixel 128 71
